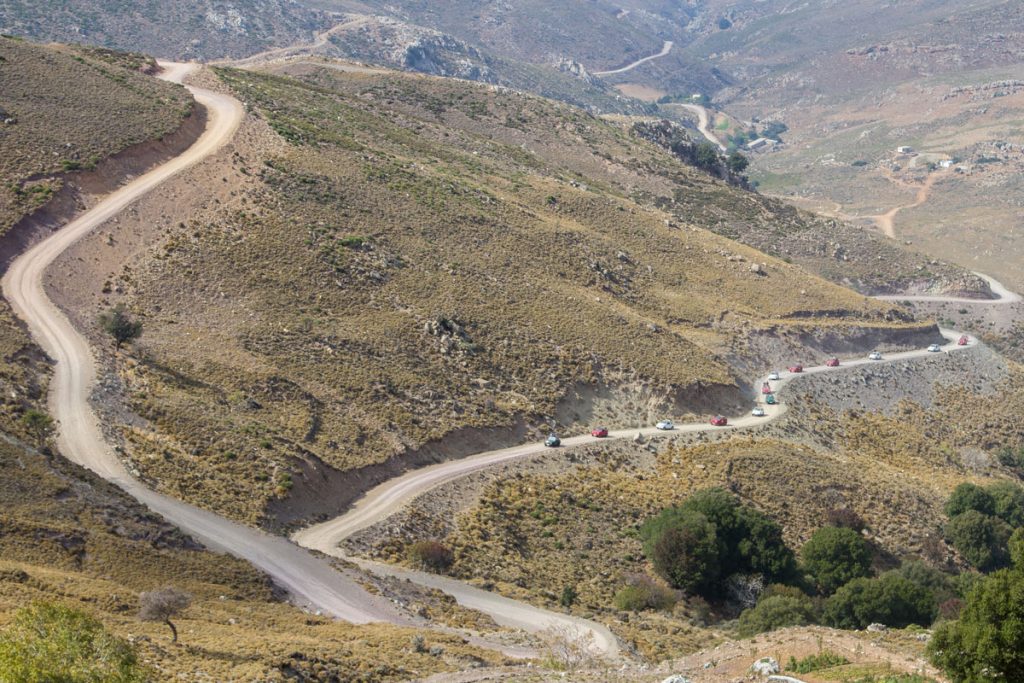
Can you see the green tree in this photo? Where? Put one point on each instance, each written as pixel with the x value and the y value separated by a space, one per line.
pixel 737 163
pixel 986 644
pixel 776 611
pixel 119 325
pixel 706 156
pixel 1008 502
pixel 889 599
pixel 685 552
pixel 49 643
pixel 970 497
pixel 980 539
pixel 749 541
pixel 835 556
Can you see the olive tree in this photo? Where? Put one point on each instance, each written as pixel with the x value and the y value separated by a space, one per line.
pixel 163 604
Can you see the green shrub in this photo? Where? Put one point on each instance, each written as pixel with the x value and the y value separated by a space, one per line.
pixel 430 556
pixel 835 556
pixel 776 611
pixel 745 541
pixel 1011 457
pixel 889 599
pixel 942 585
pixel 980 539
pixel 641 594
pixel 1008 502
pixel 47 642
pixel 118 324
pixel 970 497
pixel 822 660
pixel 685 552
pixel 986 642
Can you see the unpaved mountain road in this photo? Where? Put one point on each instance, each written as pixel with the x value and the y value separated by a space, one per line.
pixel 309 579
pixel 703 122
pixel 665 49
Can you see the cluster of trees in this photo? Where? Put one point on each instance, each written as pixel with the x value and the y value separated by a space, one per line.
pixel 696 546
pixel 981 521
pixel 713 546
pixel 986 642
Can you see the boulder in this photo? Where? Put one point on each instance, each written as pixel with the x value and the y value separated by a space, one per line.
pixel 766 666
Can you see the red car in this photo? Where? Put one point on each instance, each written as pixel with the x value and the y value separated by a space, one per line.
pixel 964 340
pixel 719 421
pixel 796 368
pixel 766 388
pixel 832 363
pixel 599 432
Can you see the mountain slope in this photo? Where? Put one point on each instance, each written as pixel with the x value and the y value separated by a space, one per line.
pixel 398 268
pixel 191 29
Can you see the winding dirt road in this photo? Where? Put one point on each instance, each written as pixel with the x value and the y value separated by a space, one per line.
pixel 886 222
pixel 703 122
pixel 309 579
pixel 665 49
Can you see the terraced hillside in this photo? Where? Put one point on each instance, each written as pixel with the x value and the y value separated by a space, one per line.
pixel 70 538
pixel 398 266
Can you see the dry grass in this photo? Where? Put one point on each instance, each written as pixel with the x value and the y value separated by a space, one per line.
pixel 424 256
pixel 58 128
pixel 71 538
pixel 530 535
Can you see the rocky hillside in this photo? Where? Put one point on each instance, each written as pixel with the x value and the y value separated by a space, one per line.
pixel 190 29
pixel 397 260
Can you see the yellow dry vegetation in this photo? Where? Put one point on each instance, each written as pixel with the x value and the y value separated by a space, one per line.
pixel 58 115
pixel 411 257
pixel 68 537
pixel 532 535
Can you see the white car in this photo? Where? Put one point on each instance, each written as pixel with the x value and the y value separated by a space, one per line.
pixel 934 348
pixel 774 376
pixel 665 425
pixel 758 412
pixel 875 355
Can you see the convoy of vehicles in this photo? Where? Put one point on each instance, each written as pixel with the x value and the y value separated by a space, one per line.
pixel 602 432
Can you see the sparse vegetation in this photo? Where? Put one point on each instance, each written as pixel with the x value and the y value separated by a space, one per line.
pixel 430 556
pixel 120 325
pixel 825 659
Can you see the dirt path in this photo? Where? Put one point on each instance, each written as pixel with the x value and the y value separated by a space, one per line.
pixel 703 122
pixel 665 49
pixel 886 221
pixel 281 53
pixel 309 579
